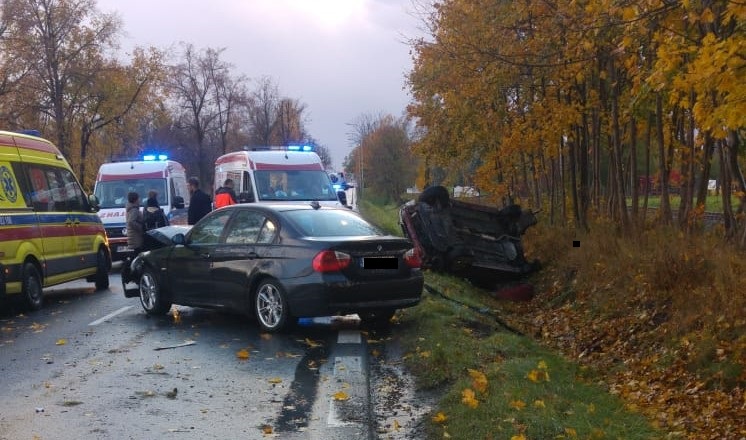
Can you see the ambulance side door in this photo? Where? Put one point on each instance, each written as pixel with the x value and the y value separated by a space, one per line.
pixel 86 224
pixel 56 227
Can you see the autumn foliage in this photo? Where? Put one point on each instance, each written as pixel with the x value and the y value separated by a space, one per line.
pixel 566 104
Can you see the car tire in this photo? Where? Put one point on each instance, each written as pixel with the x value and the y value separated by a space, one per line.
pixel 102 270
pixel 270 306
pixel 151 294
pixel 377 318
pixel 33 290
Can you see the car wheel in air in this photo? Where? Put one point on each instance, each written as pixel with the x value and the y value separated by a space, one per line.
pixel 32 287
pixel 270 306
pixel 151 294
pixel 102 270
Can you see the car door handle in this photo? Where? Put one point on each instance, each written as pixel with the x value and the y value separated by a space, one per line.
pixel 205 255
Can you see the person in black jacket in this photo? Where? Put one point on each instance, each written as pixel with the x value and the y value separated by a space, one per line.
pixel 199 203
pixel 153 215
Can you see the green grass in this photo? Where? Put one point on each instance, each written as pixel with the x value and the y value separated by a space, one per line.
pixel 712 204
pixel 444 340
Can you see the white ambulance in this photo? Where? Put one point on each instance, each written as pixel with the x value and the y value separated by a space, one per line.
pixel 150 173
pixel 277 174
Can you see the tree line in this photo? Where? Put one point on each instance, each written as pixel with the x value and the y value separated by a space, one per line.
pixel 569 104
pixel 60 74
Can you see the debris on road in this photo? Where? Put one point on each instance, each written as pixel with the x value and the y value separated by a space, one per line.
pixel 184 344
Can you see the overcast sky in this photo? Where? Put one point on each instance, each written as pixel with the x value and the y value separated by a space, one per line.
pixel 342 58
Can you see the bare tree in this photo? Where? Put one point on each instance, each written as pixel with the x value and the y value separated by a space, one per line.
pixel 264 102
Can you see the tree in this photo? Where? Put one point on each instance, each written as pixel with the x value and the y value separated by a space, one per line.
pixel 62 42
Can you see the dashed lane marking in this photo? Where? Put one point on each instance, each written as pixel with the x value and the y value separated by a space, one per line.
pixel 111 315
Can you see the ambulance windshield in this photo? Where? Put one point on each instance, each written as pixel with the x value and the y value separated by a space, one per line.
pixel 294 185
pixel 113 193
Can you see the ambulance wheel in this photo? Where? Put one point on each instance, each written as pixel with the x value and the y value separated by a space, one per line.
pixel 151 294
pixel 32 287
pixel 102 270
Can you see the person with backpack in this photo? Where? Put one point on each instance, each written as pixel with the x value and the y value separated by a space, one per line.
pixel 225 195
pixel 153 216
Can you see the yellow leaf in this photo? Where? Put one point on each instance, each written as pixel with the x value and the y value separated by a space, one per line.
pixel 517 404
pixel 275 380
pixel 397 426
pixel 61 342
pixel 518 437
pixel 266 429
pixel 542 365
pixel 177 315
pixel 312 343
pixel 571 432
pixel 424 354
pixel 469 399
pixel 340 395
pixel 479 380
pixel 242 354
pixel 539 404
pixel 439 418
pixel 375 353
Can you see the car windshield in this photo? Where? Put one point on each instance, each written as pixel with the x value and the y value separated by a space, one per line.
pixel 331 223
pixel 294 185
pixel 113 193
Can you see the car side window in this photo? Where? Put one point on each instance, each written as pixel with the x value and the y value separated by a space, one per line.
pixel 267 233
pixel 245 227
pixel 75 198
pixel 210 230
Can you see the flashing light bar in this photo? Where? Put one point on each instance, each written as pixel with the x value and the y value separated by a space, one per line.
pixel 154 157
pixel 300 147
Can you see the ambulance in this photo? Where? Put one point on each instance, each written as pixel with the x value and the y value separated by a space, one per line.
pixel 49 230
pixel 151 172
pixel 277 174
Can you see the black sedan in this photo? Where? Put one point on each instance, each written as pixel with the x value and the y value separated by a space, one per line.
pixel 279 262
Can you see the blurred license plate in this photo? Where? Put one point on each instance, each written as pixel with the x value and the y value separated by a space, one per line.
pixel 380 263
pixel 124 249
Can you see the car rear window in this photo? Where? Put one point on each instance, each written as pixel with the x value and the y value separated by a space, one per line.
pixel 331 223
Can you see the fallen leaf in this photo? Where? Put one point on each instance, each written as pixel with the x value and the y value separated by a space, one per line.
pixel 479 381
pixel 242 354
pixel 61 342
pixel 468 398
pixel 539 404
pixel 312 343
pixel 518 437
pixel 341 395
pixel 517 404
pixel 275 380
pixel 266 430
pixel 397 426
pixel 439 418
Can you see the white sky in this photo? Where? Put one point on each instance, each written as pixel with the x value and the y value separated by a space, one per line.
pixel 342 58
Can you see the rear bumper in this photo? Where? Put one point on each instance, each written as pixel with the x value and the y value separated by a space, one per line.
pixel 332 296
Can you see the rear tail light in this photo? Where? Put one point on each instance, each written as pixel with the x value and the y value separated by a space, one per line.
pixel 412 258
pixel 331 261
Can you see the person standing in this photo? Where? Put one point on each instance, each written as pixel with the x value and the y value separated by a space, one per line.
pixel 225 195
pixel 199 203
pixel 135 229
pixel 154 217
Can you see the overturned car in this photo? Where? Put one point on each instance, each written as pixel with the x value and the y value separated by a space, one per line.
pixel 463 238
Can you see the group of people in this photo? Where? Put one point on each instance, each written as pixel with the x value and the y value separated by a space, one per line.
pixel 140 221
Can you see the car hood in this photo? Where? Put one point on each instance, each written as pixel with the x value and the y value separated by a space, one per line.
pixel 163 235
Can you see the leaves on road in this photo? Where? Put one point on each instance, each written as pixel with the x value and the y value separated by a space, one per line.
pixel 242 354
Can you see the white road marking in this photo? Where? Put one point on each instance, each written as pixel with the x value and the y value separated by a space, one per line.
pixel 111 315
pixel 348 337
pixel 347 370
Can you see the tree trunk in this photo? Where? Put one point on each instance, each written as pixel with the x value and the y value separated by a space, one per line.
pixel 665 214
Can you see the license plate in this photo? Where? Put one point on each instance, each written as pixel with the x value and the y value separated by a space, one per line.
pixel 380 263
pixel 121 249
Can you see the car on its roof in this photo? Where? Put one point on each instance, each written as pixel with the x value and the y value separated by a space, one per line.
pixel 279 262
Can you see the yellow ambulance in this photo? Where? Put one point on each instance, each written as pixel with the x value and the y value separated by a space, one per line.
pixel 49 230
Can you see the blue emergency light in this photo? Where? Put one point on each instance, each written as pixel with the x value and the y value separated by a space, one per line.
pixel 300 147
pixel 154 157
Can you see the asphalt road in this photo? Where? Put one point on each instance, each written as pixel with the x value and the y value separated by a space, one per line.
pixel 93 365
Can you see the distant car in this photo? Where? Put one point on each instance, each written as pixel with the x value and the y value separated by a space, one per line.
pixel 279 262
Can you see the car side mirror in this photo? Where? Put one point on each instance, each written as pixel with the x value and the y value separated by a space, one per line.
pixel 178 239
pixel 245 197
pixel 94 203
pixel 179 202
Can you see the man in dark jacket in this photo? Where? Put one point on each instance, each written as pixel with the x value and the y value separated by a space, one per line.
pixel 225 195
pixel 199 203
